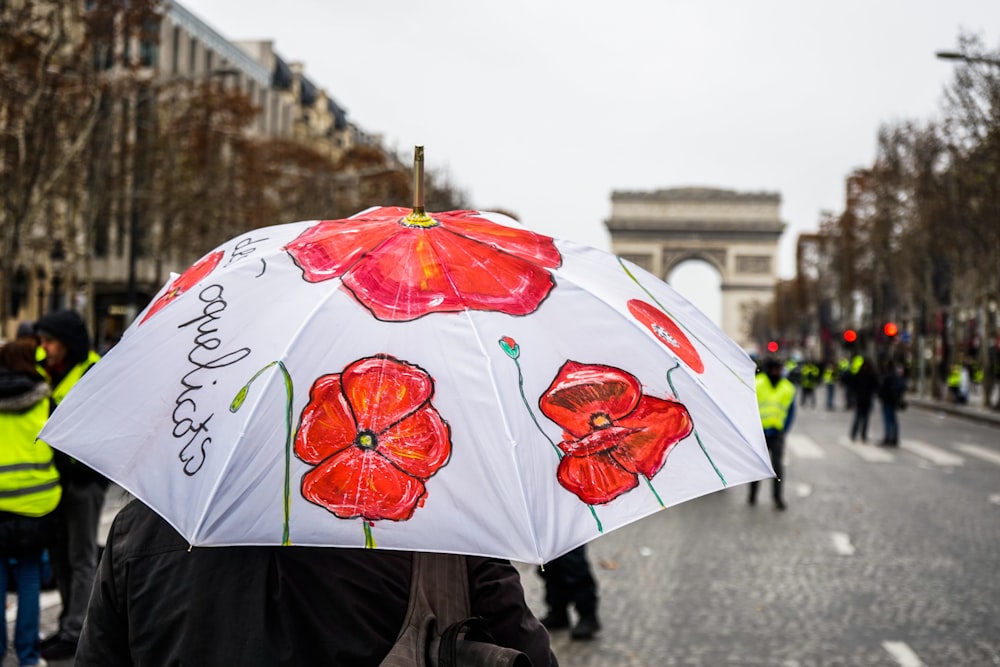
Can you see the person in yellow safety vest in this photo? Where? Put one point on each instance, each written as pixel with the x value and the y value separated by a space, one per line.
pixel 954 383
pixel 68 355
pixel 776 402
pixel 29 491
pixel 810 380
pixel 830 382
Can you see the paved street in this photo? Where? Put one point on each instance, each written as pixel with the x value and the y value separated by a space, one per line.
pixel 885 557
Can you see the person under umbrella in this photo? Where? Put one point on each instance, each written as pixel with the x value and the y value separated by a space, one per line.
pixel 158 601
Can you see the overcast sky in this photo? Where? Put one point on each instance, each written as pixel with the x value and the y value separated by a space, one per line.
pixel 545 107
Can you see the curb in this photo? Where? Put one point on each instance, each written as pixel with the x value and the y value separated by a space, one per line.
pixel 980 415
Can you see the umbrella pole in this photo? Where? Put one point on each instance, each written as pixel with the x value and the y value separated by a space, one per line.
pixel 418 217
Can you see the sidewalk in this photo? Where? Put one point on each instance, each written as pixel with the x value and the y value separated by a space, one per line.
pixel 973 412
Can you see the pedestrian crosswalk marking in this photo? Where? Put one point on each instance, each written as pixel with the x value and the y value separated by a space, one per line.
pixel 902 654
pixel 803 490
pixel 842 544
pixel 804 447
pixel 979 452
pixel 867 452
pixel 994 498
pixel 933 454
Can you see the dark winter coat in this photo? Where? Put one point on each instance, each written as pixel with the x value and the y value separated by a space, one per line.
pixel 157 603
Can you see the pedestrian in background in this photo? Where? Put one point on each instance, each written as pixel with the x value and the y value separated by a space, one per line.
pixel 890 393
pixel 569 580
pixel 68 355
pixel 865 383
pixel 157 601
pixel 776 403
pixel 29 491
pixel 809 381
pixel 830 382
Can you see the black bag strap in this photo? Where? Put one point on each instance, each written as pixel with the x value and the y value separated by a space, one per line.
pixel 439 599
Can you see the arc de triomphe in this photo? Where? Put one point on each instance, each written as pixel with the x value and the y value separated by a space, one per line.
pixel 736 232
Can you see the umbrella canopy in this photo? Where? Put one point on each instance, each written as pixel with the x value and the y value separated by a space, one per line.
pixel 449 382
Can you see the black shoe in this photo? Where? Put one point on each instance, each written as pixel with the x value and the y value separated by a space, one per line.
pixel 751 501
pixel 779 505
pixel 63 649
pixel 586 628
pixel 51 640
pixel 555 621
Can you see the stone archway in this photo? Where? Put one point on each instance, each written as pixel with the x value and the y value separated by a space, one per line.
pixel 736 232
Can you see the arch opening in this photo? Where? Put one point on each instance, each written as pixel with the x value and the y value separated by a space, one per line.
pixel 700 282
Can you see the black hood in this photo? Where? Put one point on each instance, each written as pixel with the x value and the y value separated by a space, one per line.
pixel 68 328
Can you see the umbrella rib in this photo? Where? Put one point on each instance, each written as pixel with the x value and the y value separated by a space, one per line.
pixel 525 504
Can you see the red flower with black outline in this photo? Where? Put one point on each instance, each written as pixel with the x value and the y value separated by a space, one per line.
pixel 612 432
pixel 191 277
pixel 401 267
pixel 374 439
pixel 667 331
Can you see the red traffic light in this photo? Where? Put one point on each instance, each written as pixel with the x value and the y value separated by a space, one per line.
pixel 850 335
pixel 890 329
pixel 772 346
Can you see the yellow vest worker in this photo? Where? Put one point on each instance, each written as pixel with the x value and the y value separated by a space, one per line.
pixel 776 402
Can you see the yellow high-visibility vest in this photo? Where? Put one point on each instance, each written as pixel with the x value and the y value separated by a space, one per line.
pixel 774 401
pixel 73 376
pixel 29 482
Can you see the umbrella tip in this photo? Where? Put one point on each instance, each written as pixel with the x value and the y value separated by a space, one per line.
pixel 418 180
pixel 418 217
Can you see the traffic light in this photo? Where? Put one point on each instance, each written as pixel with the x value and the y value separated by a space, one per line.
pixel 890 329
pixel 772 346
pixel 850 335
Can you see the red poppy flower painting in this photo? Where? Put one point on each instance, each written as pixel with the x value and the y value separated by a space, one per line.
pixel 402 267
pixel 374 439
pixel 667 331
pixel 191 277
pixel 612 432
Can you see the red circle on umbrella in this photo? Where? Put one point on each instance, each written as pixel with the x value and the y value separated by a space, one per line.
pixel 667 331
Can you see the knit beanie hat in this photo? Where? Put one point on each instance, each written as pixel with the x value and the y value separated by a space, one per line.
pixel 68 328
pixel 25 329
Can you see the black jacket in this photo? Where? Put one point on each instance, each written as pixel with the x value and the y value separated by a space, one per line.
pixel 155 602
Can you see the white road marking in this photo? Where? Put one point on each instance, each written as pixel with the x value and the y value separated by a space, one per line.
pixel 803 490
pixel 869 453
pixel 994 498
pixel 842 544
pixel 933 454
pixel 902 654
pixel 804 447
pixel 979 452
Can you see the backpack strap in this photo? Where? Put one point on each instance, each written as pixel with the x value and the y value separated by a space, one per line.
pixel 438 630
pixel 439 597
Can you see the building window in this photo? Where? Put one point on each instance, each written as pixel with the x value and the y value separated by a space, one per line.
pixel 175 51
pixel 759 264
pixel 148 48
pixel 192 56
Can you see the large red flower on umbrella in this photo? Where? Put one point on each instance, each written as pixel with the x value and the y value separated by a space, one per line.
pixel 667 331
pixel 373 437
pixel 612 432
pixel 191 277
pixel 403 266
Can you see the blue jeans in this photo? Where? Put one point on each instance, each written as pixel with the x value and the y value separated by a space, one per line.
pixel 27 572
pixel 891 423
